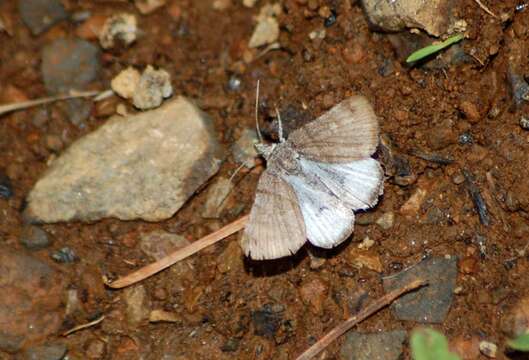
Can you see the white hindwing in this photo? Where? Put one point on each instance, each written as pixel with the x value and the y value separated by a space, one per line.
pixel 358 184
pixel 328 222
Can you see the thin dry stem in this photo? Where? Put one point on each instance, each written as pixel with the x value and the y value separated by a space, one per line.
pixel 179 254
pixel 84 326
pixel 362 315
pixel 31 103
pixel 485 8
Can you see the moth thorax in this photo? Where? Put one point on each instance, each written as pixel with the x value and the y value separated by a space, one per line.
pixel 265 150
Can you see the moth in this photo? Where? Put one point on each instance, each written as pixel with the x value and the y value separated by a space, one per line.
pixel 314 181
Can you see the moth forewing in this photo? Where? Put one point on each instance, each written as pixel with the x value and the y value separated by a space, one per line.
pixel 347 132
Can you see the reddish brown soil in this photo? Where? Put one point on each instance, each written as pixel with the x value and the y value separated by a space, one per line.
pixel 419 109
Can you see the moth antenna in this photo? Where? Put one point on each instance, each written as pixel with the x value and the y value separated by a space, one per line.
pixel 257 113
pixel 280 126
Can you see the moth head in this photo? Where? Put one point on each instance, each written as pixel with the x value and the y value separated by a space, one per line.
pixel 265 150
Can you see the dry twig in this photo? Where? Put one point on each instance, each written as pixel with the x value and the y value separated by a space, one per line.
pixel 84 326
pixel 31 103
pixel 362 315
pixel 178 255
pixel 486 9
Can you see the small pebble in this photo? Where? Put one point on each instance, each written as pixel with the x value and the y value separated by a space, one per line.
pixel 330 20
pixel 6 190
pixel 34 238
pixel 138 304
pixel 120 28
pixel 386 220
pixel 458 179
pixel 54 143
pixel 64 255
pixel 40 15
pixel 266 32
pixel 470 110
pixel 234 83
pixel 125 83
pixel 488 349
pixel 153 87
pixel 524 123
pixel 465 138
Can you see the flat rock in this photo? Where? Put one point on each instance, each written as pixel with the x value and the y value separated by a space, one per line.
pixel 216 196
pixel 31 302
pixel 45 352
pixel 69 64
pixel 138 305
pixel 373 346
pixel 158 244
pixel 431 16
pixel 34 238
pixel 40 15
pixel 431 303
pixel 144 166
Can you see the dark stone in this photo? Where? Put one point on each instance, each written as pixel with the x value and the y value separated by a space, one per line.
pixel 265 322
pixel 431 303
pixel 69 64
pixel 373 346
pixel 232 344
pixel 34 238
pixel 331 20
pixel 64 255
pixel 386 68
pixel 234 83
pixel 465 138
pixel 6 190
pixel 40 15
pixel 46 352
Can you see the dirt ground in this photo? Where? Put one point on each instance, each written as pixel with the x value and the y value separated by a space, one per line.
pixel 463 111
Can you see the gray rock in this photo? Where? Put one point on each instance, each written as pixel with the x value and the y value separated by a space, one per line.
pixel 431 16
pixel 373 346
pixel 138 305
pixel 69 64
pixel 40 15
pixel 217 193
pixel 31 306
pixel 158 244
pixel 144 166
pixel 243 149
pixel 34 238
pixel 46 352
pixel 431 303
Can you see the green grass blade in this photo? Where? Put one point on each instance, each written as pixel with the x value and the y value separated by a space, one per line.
pixel 428 344
pixel 521 343
pixel 431 49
